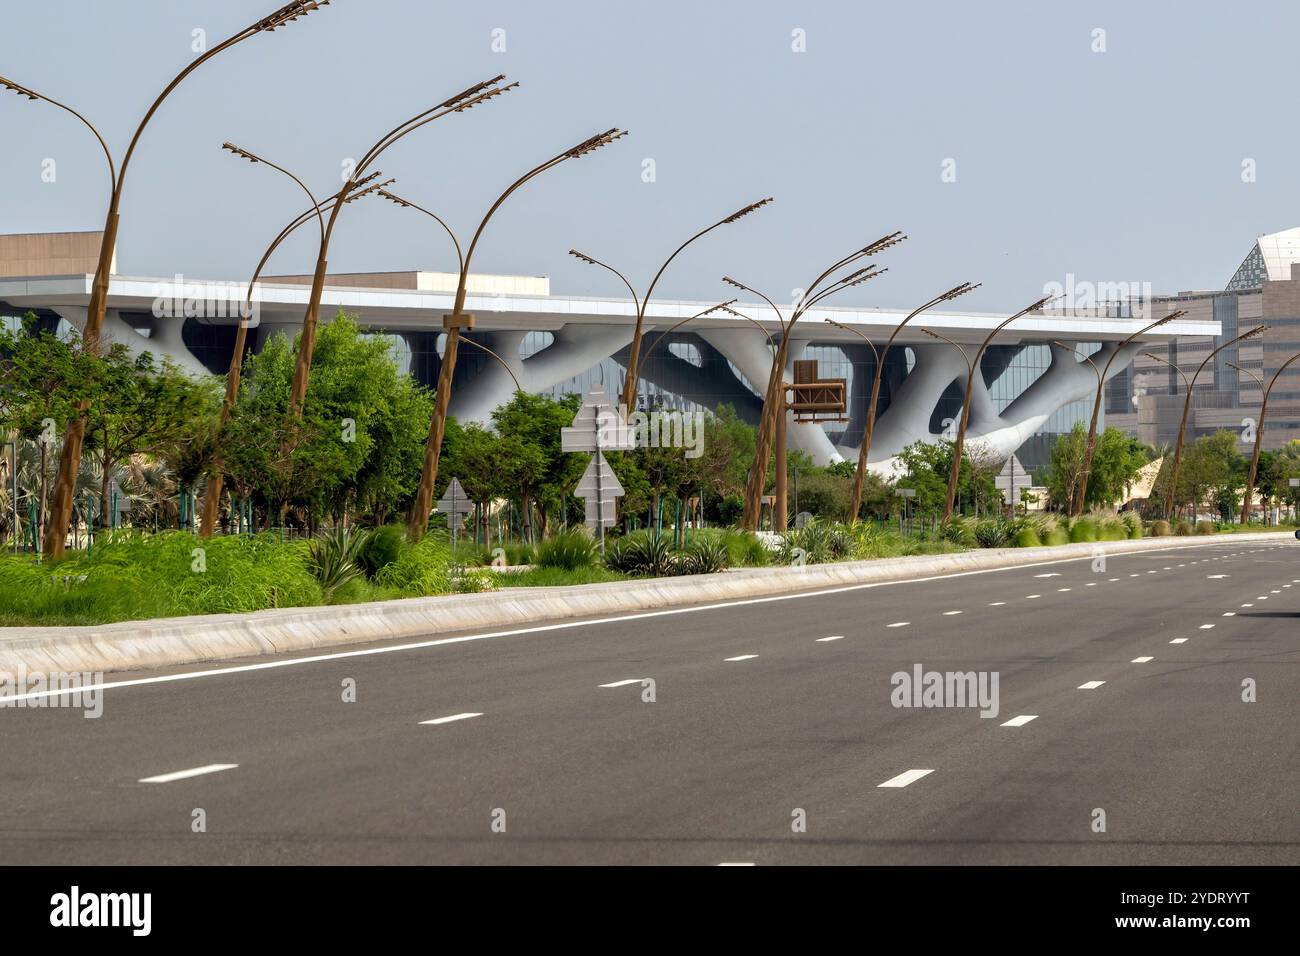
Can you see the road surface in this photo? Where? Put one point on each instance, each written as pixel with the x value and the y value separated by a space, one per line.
pixel 537 745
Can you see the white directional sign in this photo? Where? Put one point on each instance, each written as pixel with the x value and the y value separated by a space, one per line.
pixel 598 427
pixel 455 504
pixel 599 488
pixel 1012 480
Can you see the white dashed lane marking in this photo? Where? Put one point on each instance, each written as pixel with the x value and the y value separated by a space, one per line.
pixel 1090 685
pixel 1021 720
pixel 905 778
pixel 740 657
pixel 833 637
pixel 452 718
pixel 1141 660
pixel 192 772
pixel 624 683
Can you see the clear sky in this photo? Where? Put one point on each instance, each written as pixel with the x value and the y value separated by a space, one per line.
pixel 1122 165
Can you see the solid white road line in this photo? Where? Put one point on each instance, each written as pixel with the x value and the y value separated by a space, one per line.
pixel 193 772
pixel 1021 720
pixel 833 637
pixel 745 863
pixel 741 657
pixel 903 779
pixel 1141 660
pixel 453 717
pixel 1090 685
pixel 624 683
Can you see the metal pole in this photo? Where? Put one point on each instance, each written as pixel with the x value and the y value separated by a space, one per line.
pixel 779 504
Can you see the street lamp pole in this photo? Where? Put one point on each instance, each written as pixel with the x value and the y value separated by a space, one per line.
pixel 772 397
pixel 1259 431
pixel 459 319
pixel 56 531
pixel 642 302
pixel 1080 494
pixel 859 475
pixel 1187 406
pixel 973 366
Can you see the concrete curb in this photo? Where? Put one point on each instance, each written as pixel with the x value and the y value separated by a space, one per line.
pixel 131 645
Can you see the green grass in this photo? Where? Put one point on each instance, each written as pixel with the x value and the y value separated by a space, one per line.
pixel 556 577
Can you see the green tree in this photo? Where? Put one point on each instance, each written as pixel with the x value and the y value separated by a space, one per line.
pixel 1117 459
pixel 360 440
pixel 538 472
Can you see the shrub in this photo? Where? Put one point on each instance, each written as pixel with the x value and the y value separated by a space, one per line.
pixel 702 556
pixel 1183 526
pixel 992 532
pixel 814 540
pixel 570 550
pixel 1159 528
pixel 1132 523
pixel 381 547
pixel 1111 528
pixel 332 559
pixel 641 553
pixel 1027 538
pixel 1057 535
pixel 1205 527
pixel 959 531
pixel 419 570
pixel 1083 529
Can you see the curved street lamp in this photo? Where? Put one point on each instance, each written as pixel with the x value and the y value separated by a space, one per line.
pixel 56 530
pixel 634 352
pixel 774 396
pixel 459 319
pixel 1187 406
pixel 459 103
pixel 860 473
pixel 1089 449
pixel 973 366
pixel 1259 431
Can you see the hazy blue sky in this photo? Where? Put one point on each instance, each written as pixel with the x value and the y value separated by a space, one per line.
pixel 1117 166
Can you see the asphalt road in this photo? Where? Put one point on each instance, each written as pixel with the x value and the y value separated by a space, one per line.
pixel 716 768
